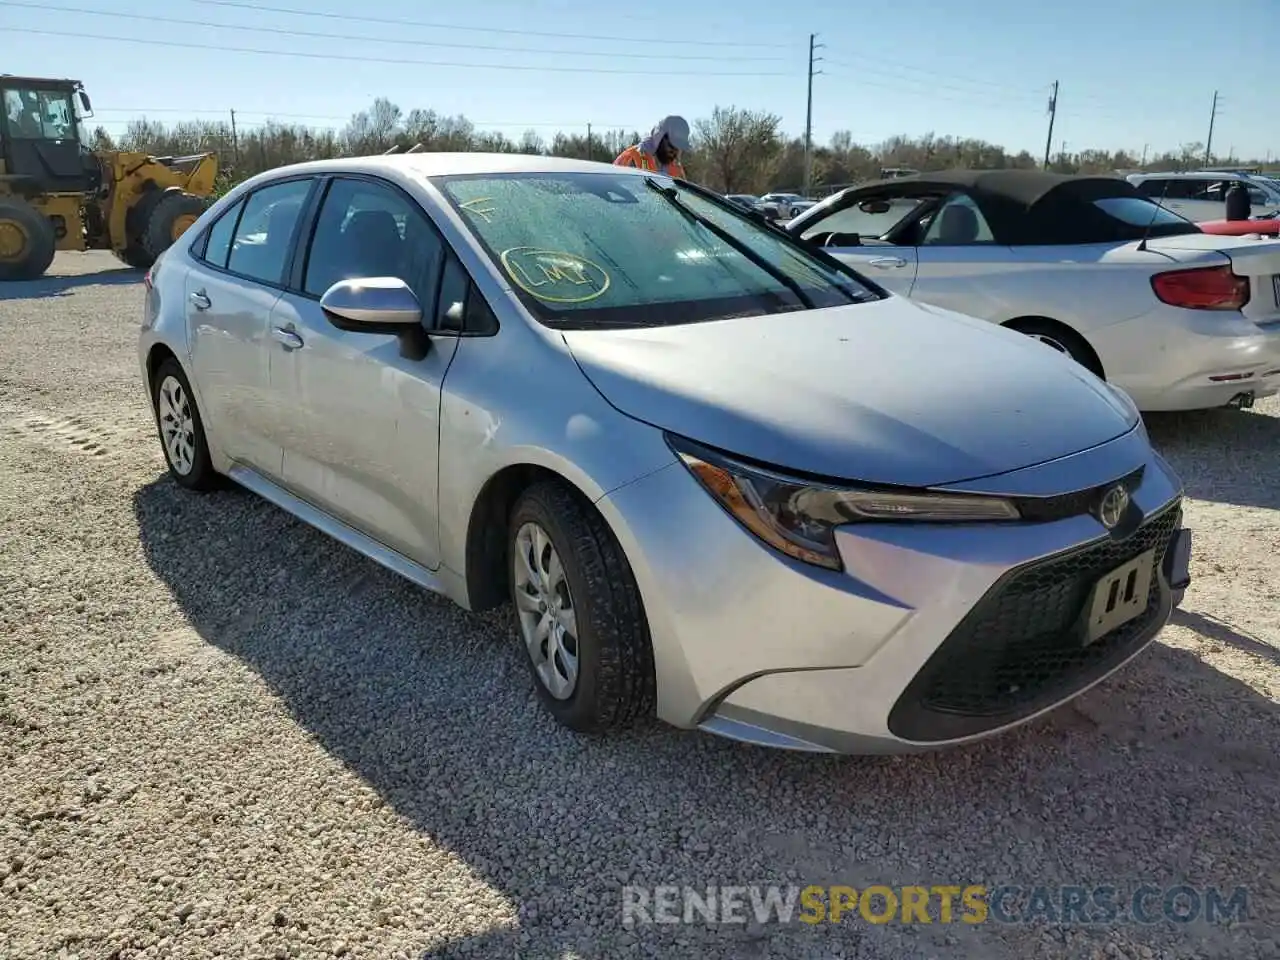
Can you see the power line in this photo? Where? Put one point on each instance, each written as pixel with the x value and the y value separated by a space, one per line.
pixel 931 92
pixel 898 68
pixel 223 48
pixel 435 25
pixel 279 31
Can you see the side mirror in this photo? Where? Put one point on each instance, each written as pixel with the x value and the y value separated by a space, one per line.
pixel 86 108
pixel 383 305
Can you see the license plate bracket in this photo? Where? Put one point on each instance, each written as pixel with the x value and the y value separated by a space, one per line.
pixel 1118 597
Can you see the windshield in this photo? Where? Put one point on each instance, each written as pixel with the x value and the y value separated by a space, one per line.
pixel 604 250
pixel 39 114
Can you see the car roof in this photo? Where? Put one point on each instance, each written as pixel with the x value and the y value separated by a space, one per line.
pixel 430 164
pixel 1025 207
pixel 1197 175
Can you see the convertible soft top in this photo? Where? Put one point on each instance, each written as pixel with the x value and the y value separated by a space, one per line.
pixel 1031 207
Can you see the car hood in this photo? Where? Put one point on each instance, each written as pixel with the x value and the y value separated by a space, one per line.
pixel 891 392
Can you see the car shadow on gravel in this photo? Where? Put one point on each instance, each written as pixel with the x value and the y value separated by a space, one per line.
pixel 1165 774
pixel 1223 455
pixel 55 286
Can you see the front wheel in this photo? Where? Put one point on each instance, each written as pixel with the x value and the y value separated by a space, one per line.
pixel 578 612
pixel 172 217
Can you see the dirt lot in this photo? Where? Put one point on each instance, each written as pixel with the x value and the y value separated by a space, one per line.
pixel 222 734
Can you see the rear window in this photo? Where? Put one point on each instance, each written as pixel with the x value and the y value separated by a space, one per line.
pixel 1136 213
pixel 607 250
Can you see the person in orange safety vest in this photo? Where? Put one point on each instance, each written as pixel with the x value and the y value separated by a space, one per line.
pixel 660 151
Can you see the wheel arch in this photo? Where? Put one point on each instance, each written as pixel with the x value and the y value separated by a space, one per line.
pixel 1030 321
pixel 158 354
pixel 487 577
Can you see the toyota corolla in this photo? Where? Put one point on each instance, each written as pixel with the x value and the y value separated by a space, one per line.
pixel 719 476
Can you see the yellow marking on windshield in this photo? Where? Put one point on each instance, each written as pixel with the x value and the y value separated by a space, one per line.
pixel 486 213
pixel 553 275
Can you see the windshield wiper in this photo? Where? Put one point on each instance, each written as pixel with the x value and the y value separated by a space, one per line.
pixel 672 197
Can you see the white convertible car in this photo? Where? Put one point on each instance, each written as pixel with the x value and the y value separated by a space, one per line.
pixel 1177 318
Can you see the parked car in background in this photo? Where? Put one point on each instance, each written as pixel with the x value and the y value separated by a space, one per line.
pixel 661 429
pixel 1178 318
pixel 788 204
pixel 744 200
pixel 1202 196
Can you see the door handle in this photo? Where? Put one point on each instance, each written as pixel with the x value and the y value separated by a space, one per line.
pixel 289 339
pixel 201 300
pixel 887 263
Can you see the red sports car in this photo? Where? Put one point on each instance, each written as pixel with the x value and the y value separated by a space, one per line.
pixel 1239 228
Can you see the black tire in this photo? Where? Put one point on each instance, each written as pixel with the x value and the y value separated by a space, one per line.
pixel 27 240
pixel 173 208
pixel 1058 337
pixel 615 682
pixel 135 257
pixel 200 476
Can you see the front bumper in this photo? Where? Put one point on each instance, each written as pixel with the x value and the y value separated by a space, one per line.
pixel 917 644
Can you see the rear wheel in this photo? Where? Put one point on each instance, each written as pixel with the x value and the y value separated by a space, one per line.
pixel 182 437
pixel 1060 338
pixel 171 218
pixel 27 240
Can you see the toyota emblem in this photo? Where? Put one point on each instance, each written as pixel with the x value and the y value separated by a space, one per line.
pixel 1112 508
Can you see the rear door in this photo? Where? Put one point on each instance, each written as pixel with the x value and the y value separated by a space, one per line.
pixel 853 231
pixel 230 293
pixel 364 421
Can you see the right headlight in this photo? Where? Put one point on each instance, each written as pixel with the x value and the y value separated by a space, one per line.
pixel 798 517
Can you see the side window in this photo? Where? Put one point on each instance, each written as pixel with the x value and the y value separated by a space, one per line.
pixel 264 236
pixel 958 223
pixel 366 229
pixel 1169 189
pixel 461 307
pixel 867 218
pixel 218 246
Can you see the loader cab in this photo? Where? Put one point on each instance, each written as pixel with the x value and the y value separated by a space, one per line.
pixel 40 136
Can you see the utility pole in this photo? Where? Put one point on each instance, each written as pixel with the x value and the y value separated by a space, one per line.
pixel 1208 143
pixel 589 150
pixel 808 116
pixel 1143 164
pixel 235 140
pixel 1053 115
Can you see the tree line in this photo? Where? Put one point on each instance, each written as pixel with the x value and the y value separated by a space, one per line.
pixel 734 150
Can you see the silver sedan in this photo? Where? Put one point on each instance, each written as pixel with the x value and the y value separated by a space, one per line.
pixel 719 476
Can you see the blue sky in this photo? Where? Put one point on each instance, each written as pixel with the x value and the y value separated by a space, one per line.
pixel 1132 72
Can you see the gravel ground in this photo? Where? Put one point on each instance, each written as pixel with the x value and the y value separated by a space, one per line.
pixel 223 735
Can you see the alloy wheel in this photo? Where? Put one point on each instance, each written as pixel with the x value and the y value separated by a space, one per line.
pixel 177 425
pixel 545 607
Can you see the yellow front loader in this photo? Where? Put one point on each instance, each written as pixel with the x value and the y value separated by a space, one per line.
pixel 57 194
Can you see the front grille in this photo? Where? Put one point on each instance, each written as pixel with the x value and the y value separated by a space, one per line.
pixel 1020 648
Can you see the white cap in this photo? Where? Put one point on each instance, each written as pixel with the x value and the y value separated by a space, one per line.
pixel 676 130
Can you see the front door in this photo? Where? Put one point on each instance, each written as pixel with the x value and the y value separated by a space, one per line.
pixel 855 232
pixel 363 421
